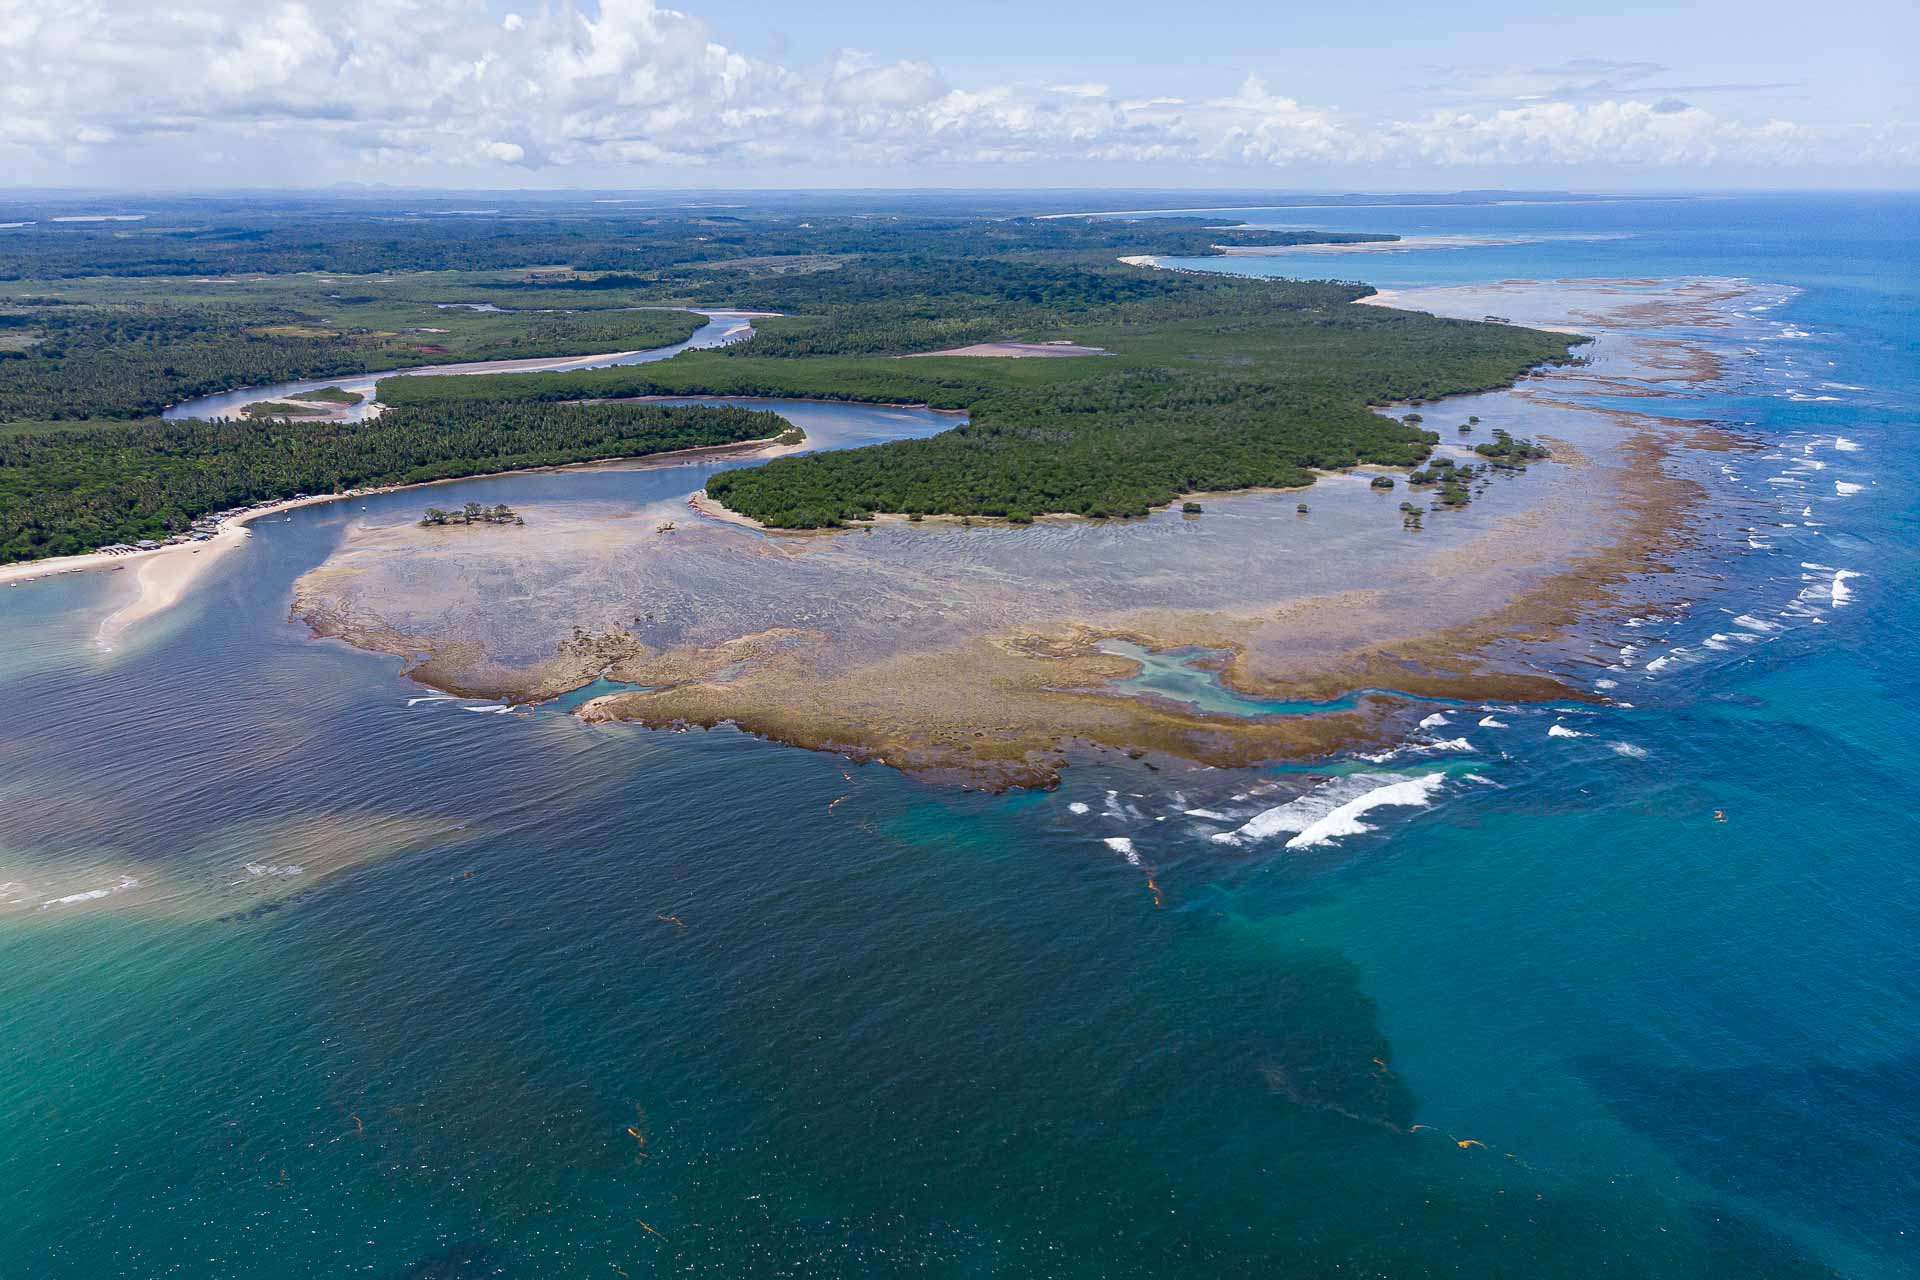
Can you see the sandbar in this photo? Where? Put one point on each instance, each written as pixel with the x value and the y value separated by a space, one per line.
pixel 164 574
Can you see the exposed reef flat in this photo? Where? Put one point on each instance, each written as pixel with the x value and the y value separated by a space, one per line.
pixel 972 653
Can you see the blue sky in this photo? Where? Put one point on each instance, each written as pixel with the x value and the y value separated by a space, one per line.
pixel 623 93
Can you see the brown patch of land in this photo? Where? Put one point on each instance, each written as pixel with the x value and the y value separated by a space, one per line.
pixel 1013 350
pixel 1007 709
pixel 973 655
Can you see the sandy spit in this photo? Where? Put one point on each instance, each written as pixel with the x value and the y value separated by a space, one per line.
pixel 165 574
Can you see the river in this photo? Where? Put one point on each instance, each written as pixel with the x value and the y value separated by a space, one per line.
pixel 721 328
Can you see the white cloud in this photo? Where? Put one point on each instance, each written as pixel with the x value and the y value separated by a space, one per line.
pixel 1638 134
pixel 422 89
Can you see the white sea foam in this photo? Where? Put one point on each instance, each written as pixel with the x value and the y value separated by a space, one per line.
pixel 92 895
pixel 272 869
pixel 1841 592
pixel 1434 721
pixel 1122 846
pixel 1658 665
pixel 1752 623
pixel 1409 793
pixel 1606 684
pixel 431 697
pixel 1213 814
pixel 1445 744
pixel 1488 722
pixel 1845 445
pixel 491 706
pixel 1561 731
pixel 1301 812
pixel 1846 488
pixel 1628 750
pixel 1333 809
pixel 1077 807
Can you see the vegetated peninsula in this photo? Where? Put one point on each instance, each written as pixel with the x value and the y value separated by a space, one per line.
pixel 105 330
pixel 1210 384
pixel 1161 384
pixel 72 488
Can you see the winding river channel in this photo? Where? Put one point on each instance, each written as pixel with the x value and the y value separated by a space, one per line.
pixel 721 328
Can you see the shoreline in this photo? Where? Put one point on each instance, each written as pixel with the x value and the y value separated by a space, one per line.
pixel 1051 694
pixel 165 573
pixel 707 506
pixel 1005 698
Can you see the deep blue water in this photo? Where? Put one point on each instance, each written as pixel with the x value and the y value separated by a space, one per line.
pixel 797 1017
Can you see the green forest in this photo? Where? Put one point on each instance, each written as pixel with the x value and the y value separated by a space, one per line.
pixel 1213 384
pixel 1210 382
pixel 71 490
pixel 214 238
pixel 128 361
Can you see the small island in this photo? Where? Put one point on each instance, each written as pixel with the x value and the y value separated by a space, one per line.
pixel 332 395
pixel 1511 451
pixel 472 513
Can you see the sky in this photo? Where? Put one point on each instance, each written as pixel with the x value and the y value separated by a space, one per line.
pixel 627 94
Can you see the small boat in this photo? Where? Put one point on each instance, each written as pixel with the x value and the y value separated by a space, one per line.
pixel 666 526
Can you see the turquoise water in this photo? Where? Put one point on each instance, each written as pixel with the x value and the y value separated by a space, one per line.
pixel 1185 675
pixel 537 983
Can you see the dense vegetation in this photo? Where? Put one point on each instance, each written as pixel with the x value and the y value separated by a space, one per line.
pixel 72 490
pixel 1506 448
pixel 214 239
pixel 1213 382
pixel 129 361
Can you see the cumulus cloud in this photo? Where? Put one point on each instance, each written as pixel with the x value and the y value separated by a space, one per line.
pixel 1658 135
pixel 630 90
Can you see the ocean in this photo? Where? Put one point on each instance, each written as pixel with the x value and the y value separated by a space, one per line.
pixel 307 970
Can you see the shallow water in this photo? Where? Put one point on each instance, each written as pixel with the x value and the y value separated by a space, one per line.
pixel 537 983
